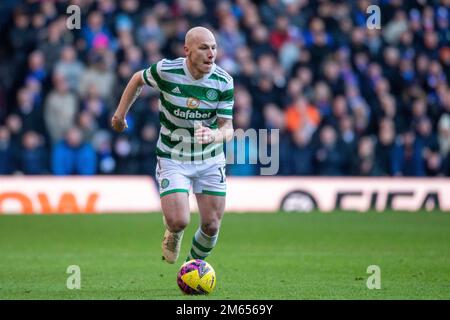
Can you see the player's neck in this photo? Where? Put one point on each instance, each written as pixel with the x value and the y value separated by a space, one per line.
pixel 196 74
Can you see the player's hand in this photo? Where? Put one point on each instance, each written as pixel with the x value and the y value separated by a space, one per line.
pixel 118 123
pixel 204 135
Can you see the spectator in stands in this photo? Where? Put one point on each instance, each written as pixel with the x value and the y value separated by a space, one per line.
pixel 426 138
pixel 301 155
pixel 260 41
pixel 365 164
pixel 96 106
pixel 60 108
pixel 270 10
pixel 6 152
pixel 302 116
pixel 15 128
pixel 102 143
pixel 333 77
pixel 52 45
pixel 322 98
pixel 88 124
pixel 385 147
pixel 30 116
pixel 347 142
pixel 389 110
pixel 444 136
pixel 73 156
pixel 33 157
pixel 99 76
pixel 328 158
pixel 408 159
pixel 94 29
pixel 37 66
pixel 434 164
pixel 280 34
pixel 339 110
pixel 70 67
pixel 35 89
pixel 3 106
pixel 147 149
pixel 230 37
pixel 21 36
pixel 125 149
pixel 150 30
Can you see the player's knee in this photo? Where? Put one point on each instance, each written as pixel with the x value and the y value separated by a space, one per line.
pixel 177 224
pixel 211 228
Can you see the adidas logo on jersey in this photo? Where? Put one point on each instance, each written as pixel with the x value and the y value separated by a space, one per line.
pixel 176 90
pixel 191 114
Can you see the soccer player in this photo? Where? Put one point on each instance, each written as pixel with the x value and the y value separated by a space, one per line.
pixel 195 112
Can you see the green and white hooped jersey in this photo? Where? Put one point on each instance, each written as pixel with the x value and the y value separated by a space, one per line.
pixel 184 103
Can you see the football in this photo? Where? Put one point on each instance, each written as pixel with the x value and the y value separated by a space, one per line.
pixel 196 277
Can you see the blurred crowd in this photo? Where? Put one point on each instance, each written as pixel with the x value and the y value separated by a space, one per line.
pixel 348 100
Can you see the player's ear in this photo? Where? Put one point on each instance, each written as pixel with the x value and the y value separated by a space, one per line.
pixel 186 50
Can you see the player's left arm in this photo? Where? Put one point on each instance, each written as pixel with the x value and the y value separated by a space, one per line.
pixel 225 130
pixel 223 133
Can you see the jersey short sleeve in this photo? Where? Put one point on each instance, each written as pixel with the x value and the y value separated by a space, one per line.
pixel 150 74
pixel 226 101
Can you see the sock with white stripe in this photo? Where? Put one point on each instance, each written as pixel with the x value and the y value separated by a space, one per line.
pixel 202 245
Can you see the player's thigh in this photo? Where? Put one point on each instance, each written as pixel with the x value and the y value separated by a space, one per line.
pixel 211 207
pixel 174 188
pixel 210 190
pixel 175 207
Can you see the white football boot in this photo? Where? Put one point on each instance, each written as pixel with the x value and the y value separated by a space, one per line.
pixel 171 245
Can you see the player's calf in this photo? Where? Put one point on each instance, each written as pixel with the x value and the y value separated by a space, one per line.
pixel 202 245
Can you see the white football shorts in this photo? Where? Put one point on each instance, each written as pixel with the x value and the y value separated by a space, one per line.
pixel 207 177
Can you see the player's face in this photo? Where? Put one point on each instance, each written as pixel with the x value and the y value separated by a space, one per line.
pixel 202 55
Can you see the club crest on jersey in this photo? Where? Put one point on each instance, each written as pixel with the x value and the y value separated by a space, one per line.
pixel 192 103
pixel 211 94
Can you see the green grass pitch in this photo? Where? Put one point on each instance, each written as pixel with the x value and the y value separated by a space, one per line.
pixel 258 256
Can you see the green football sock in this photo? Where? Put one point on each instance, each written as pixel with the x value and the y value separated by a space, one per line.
pixel 202 245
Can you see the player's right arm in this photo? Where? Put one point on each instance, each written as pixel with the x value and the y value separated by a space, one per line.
pixel 129 95
pixel 149 77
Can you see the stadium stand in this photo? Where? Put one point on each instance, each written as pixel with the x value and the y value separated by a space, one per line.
pixel 348 100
